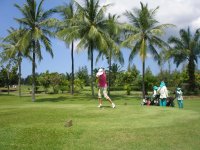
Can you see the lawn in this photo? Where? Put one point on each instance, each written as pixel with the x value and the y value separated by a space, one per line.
pixel 40 125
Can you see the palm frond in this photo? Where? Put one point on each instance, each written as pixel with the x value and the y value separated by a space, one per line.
pixel 100 55
pixel 143 48
pixel 131 39
pixel 134 51
pixel 38 50
pixel 39 10
pixel 154 52
pixel 47 44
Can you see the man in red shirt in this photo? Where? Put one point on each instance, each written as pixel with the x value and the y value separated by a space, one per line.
pixel 102 84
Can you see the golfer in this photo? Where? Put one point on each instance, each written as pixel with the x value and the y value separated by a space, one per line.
pixel 102 87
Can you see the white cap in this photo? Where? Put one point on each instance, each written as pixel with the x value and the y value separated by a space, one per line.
pixel 100 72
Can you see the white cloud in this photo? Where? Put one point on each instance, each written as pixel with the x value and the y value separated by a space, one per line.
pixel 196 23
pixel 182 13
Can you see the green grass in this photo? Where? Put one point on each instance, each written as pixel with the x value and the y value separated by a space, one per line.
pixel 25 125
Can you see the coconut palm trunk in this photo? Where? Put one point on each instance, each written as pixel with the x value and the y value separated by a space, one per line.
pixel 143 79
pixel 72 57
pixel 8 81
pixel 191 73
pixel 109 72
pixel 33 72
pixel 92 64
pixel 19 74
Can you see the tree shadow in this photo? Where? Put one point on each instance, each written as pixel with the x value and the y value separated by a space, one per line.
pixel 57 99
pixel 5 94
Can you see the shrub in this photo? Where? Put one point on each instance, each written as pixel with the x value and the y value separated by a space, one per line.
pixel 78 85
pixel 127 87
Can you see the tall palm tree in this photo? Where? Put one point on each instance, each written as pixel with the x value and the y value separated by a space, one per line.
pixel 144 34
pixel 69 14
pixel 186 48
pixel 113 51
pixel 92 29
pixel 13 49
pixel 37 25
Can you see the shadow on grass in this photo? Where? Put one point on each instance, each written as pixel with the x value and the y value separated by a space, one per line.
pixel 6 94
pixel 64 98
pixel 105 107
pixel 123 97
pixel 56 99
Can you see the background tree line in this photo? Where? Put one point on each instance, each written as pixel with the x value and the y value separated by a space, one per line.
pixel 121 80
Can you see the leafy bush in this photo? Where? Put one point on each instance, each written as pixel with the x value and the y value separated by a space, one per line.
pixel 117 88
pixel 64 86
pixel 127 87
pixel 78 85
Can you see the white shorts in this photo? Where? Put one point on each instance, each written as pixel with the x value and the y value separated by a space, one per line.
pixel 103 90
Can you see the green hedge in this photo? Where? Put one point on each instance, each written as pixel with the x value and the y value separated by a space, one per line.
pixel 121 88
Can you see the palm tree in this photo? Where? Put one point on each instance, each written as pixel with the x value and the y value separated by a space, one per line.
pixel 13 49
pixel 113 51
pixel 186 48
pixel 92 29
pixel 68 12
pixel 143 34
pixel 37 26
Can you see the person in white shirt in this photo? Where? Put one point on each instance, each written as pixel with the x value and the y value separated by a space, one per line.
pixel 179 96
pixel 155 88
pixel 162 90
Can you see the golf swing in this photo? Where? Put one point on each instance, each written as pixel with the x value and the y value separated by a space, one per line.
pixel 102 87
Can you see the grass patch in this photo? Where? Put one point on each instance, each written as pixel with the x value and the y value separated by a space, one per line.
pixel 40 125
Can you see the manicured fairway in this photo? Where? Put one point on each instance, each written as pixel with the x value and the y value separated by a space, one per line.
pixel 40 125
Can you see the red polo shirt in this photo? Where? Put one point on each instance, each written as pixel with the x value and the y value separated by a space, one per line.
pixel 102 80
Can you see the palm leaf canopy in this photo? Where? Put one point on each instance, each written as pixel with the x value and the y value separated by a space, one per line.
pixel 66 28
pixel 37 25
pixel 92 25
pixel 185 46
pixel 11 45
pixel 114 31
pixel 144 32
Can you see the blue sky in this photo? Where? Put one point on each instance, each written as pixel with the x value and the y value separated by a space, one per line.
pixel 62 62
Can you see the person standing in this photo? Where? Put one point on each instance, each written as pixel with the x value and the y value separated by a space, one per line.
pixel 102 87
pixel 163 94
pixel 179 95
pixel 155 97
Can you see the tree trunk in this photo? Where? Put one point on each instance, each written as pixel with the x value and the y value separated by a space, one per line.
pixel 8 81
pixel 19 75
pixel 72 57
pixel 33 73
pixel 92 79
pixel 143 79
pixel 109 75
pixel 169 66
pixel 191 73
